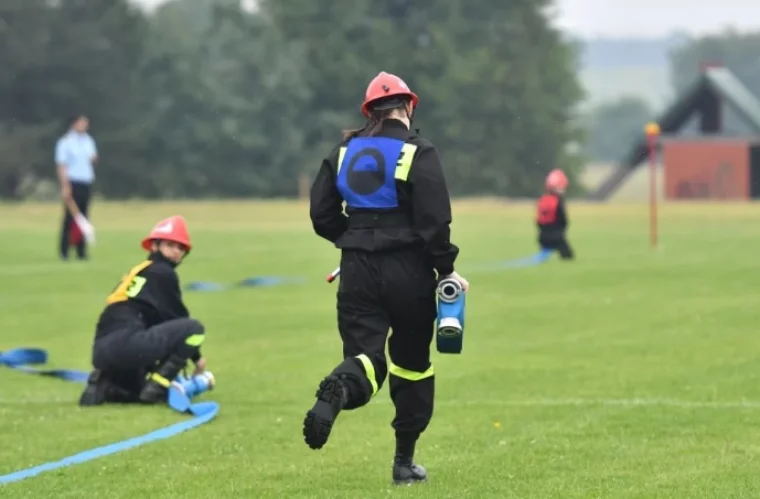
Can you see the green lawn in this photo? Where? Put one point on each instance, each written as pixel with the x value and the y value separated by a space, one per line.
pixel 635 188
pixel 630 373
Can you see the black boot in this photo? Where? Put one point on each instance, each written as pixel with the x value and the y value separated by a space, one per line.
pixel 156 389
pixel 93 392
pixel 100 390
pixel 405 472
pixel 332 397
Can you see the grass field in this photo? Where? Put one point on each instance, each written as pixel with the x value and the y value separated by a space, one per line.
pixel 630 373
pixel 635 188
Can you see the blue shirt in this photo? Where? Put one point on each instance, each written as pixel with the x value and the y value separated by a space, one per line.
pixel 75 151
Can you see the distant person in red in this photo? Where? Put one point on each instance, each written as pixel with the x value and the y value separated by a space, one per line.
pixel 552 217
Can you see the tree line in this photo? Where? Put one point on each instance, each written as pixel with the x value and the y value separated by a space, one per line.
pixel 206 98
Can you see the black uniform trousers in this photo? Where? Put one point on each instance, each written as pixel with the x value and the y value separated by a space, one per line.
pixel 555 240
pixel 126 355
pixel 381 291
pixel 81 192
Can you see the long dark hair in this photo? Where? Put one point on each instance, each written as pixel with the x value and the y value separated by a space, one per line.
pixel 375 121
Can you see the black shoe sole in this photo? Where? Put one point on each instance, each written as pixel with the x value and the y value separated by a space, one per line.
pixel 319 420
pixel 412 475
pixel 409 481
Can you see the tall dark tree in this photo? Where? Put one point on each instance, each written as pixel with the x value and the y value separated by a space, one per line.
pixel 24 39
pixel 497 83
pixel 206 98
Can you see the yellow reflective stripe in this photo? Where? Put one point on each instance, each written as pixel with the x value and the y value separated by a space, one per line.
pixel 130 284
pixel 195 340
pixel 370 370
pixel 341 155
pixel 404 163
pixel 410 375
pixel 160 380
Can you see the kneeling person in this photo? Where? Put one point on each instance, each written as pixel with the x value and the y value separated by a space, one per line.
pixel 144 336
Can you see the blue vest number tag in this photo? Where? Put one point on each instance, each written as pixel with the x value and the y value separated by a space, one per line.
pixel 366 174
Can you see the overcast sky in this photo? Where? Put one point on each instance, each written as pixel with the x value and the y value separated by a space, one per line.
pixel 646 17
pixel 656 17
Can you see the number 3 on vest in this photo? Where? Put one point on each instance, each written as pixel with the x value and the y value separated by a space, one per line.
pixel 135 286
pixel 129 287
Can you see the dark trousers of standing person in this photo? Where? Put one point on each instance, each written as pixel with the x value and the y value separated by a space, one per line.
pixel 81 193
pixel 378 292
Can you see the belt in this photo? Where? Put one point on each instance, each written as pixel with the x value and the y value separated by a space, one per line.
pixel 378 220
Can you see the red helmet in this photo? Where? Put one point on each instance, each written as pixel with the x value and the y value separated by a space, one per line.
pixel 170 229
pixel 386 85
pixel 556 180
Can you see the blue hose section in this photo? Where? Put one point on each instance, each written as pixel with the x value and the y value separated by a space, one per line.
pixel 22 358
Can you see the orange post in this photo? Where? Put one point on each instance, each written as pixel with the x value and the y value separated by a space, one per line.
pixel 652 131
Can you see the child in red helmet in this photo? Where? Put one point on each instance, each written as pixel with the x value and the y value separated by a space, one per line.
pixel 552 216
pixel 144 336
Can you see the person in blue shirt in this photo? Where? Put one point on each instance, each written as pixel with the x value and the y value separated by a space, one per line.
pixel 75 155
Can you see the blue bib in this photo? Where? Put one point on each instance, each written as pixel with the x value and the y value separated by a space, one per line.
pixel 368 168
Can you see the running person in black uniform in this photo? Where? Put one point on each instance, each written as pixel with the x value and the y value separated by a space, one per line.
pixel 551 216
pixel 144 336
pixel 394 238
